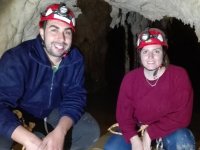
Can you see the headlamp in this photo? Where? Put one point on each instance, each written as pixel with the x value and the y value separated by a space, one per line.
pixel 61 11
pixel 151 36
pixel 58 12
pixel 146 36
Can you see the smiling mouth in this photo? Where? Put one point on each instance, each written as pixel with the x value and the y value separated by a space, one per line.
pixel 150 62
pixel 59 46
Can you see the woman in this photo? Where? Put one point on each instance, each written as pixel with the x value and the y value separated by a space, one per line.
pixel 154 102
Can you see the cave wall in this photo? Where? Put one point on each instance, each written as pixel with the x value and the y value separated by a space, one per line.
pixel 19 19
pixel 19 22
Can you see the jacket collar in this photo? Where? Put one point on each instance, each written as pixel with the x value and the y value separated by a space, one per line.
pixel 38 54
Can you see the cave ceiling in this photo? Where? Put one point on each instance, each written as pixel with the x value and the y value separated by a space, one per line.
pixel 185 10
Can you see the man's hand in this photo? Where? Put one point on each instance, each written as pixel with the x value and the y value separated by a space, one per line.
pixel 29 140
pixel 53 141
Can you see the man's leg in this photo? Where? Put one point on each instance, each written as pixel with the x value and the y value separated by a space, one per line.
pixel 5 144
pixel 53 120
pixel 85 133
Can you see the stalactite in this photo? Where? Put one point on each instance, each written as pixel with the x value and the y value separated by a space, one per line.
pixel 187 11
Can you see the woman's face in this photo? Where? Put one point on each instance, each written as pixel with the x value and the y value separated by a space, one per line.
pixel 151 56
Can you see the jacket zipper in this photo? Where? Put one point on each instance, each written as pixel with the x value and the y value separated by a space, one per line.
pixel 51 88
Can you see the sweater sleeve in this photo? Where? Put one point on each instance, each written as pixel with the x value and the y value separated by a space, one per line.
pixel 74 95
pixel 11 87
pixel 179 115
pixel 125 109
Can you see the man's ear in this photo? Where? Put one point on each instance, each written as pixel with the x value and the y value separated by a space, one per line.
pixel 42 33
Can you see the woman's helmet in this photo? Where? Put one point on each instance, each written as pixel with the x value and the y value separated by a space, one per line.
pixel 58 12
pixel 151 36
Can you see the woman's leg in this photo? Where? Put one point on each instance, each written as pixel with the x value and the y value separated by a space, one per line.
pixel 117 142
pixel 181 139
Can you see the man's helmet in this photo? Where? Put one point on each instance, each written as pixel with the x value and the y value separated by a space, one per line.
pixel 58 12
pixel 151 36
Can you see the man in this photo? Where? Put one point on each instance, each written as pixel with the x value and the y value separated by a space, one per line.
pixel 44 79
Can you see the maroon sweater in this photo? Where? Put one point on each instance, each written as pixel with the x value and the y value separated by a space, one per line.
pixel 165 107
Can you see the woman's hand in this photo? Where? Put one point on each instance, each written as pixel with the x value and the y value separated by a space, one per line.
pixel 142 129
pixel 136 143
pixel 146 141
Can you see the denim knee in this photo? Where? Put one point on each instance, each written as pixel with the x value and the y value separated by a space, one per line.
pixel 180 140
pixel 117 142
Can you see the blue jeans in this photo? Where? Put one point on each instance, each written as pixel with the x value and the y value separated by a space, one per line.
pixel 181 139
pixel 84 134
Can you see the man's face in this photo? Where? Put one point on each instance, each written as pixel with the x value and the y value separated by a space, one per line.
pixel 57 38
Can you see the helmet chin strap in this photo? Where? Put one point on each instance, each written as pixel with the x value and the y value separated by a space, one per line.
pixel 156 72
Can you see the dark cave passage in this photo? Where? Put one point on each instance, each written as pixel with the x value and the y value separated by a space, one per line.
pixel 184 50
